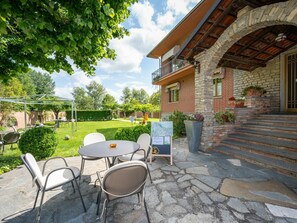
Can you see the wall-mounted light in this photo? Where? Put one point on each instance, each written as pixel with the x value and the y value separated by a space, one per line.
pixel 280 37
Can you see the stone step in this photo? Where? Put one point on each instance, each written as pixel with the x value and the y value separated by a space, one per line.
pixel 292 136
pixel 284 117
pixel 286 154
pixel 273 122
pixel 276 164
pixel 283 129
pixel 265 141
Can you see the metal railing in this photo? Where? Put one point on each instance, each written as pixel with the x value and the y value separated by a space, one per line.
pixel 171 67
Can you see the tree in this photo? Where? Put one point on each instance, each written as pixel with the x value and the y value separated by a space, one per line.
pixel 82 100
pixel 140 95
pixel 10 89
pixel 127 95
pixel 44 84
pixel 97 93
pixel 155 98
pixel 53 34
pixel 109 103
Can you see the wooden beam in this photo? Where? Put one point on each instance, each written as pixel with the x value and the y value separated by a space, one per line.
pixel 243 60
pixel 226 11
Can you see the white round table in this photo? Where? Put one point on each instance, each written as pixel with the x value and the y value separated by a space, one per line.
pixel 103 149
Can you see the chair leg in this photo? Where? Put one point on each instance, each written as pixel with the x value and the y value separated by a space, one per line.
pixel 149 172
pixel 36 199
pixel 145 207
pixel 98 201
pixel 105 212
pixel 82 201
pixel 82 167
pixel 39 209
pixel 73 187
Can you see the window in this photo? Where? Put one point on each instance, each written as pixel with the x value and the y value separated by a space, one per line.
pixel 173 95
pixel 217 87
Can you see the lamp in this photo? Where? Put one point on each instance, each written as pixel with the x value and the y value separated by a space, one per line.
pixel 280 37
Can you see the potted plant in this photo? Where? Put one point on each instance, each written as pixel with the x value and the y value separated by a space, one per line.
pixel 224 116
pixel 236 102
pixel 194 125
pixel 253 90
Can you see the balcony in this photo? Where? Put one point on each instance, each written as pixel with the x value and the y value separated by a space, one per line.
pixel 169 68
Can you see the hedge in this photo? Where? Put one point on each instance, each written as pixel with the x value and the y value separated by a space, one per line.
pixel 91 115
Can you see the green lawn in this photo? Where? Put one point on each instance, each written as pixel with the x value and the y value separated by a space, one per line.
pixel 66 148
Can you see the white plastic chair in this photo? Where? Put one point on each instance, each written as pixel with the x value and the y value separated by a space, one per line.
pixel 144 140
pixel 55 178
pixel 122 180
pixel 90 139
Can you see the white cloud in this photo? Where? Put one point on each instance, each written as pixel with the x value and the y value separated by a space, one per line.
pixel 166 19
pixel 180 7
pixel 133 48
pixel 64 92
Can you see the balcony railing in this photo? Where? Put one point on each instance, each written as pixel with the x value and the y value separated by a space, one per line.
pixel 171 67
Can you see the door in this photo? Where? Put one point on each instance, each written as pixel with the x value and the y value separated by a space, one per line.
pixel 291 82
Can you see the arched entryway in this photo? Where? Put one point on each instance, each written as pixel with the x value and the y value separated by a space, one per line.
pixel 278 15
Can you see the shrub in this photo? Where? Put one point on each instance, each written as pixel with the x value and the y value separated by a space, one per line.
pixel 224 116
pixel 131 134
pixel 91 115
pixel 41 142
pixel 178 118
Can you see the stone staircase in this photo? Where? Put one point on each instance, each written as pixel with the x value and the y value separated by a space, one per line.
pixel 266 140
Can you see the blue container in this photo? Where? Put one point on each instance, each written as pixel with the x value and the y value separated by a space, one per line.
pixel 194 131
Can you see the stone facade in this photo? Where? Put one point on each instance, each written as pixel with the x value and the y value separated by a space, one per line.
pixel 267 77
pixel 251 20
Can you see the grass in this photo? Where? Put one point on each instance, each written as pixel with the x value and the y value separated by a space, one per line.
pixel 66 148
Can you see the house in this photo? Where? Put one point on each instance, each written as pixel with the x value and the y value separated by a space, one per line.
pixel 223 46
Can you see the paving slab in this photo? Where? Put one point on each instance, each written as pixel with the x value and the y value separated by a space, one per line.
pixel 192 190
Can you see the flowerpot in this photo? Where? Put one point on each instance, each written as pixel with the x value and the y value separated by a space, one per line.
pixel 194 131
pixel 254 92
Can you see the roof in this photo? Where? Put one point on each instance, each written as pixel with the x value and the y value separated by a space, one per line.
pixel 250 52
pixel 183 29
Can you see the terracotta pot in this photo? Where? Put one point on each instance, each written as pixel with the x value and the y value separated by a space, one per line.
pixel 254 92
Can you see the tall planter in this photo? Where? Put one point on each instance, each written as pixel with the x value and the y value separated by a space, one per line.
pixel 194 131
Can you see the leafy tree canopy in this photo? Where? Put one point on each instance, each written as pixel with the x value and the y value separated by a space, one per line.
pixel 91 98
pixel 109 103
pixel 53 34
pixel 155 98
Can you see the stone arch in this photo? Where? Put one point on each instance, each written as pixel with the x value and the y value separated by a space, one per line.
pixel 283 13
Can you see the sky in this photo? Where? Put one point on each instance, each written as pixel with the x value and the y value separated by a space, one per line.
pixel 148 24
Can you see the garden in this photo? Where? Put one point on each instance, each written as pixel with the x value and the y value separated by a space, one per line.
pixel 68 144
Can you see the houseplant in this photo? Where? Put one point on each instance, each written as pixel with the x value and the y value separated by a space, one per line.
pixel 253 90
pixel 194 125
pixel 224 116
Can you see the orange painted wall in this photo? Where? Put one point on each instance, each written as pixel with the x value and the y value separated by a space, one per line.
pixel 220 103
pixel 186 101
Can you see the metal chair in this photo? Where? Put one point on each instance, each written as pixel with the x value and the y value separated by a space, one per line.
pixel 123 180
pixel 54 179
pixel 89 139
pixel 10 138
pixel 144 140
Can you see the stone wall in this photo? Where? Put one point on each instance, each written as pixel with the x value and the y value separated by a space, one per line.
pixel 267 77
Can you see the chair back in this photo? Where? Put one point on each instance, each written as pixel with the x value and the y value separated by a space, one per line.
pixel 11 137
pixel 33 168
pixel 144 140
pixel 93 138
pixel 124 179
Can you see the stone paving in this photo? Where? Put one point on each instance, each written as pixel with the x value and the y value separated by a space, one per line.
pixel 188 191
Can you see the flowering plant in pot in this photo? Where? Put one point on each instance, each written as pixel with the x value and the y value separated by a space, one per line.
pixel 194 125
pixel 224 116
pixel 236 102
pixel 253 90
